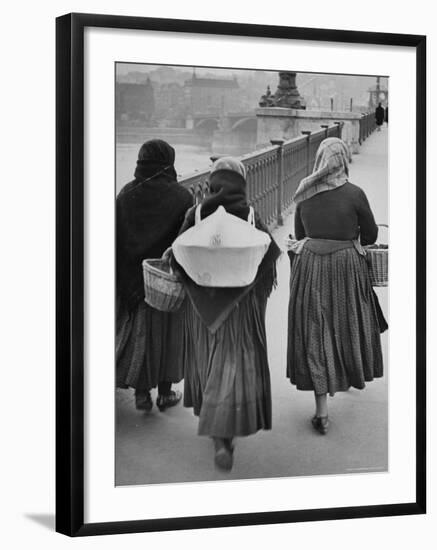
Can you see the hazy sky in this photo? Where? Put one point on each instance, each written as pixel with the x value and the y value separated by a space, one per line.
pixel 124 68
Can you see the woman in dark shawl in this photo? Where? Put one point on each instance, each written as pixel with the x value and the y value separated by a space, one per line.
pixel 379 116
pixel 150 211
pixel 227 379
pixel 334 319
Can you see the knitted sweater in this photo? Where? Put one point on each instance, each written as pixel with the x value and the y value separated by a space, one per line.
pixel 341 214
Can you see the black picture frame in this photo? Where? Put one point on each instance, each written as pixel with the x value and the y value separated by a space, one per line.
pixel 70 273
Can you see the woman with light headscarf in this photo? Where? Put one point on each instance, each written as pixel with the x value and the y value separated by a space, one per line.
pixel 334 316
pixel 227 379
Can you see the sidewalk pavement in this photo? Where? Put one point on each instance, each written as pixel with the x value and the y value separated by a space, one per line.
pixel 164 447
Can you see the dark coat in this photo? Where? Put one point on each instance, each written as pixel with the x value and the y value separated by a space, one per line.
pixel 379 115
pixel 150 212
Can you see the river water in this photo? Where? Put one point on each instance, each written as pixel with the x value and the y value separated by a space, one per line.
pixel 189 159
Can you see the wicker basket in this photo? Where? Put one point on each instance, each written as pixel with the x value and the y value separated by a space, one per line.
pixel 377 258
pixel 163 289
pixel 378 266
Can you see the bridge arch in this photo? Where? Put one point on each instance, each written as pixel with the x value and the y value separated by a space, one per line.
pixel 207 124
pixel 245 125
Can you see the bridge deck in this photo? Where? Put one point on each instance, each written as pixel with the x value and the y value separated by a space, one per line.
pixel 165 448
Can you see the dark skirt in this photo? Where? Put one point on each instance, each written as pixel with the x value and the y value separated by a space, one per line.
pixel 148 347
pixel 333 332
pixel 227 379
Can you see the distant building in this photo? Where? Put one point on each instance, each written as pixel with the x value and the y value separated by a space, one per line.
pixel 211 95
pixel 135 101
pixel 170 108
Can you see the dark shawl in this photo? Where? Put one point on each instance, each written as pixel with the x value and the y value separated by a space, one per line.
pixel 379 115
pixel 228 189
pixel 150 210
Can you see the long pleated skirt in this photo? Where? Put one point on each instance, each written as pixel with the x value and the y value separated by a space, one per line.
pixel 148 347
pixel 227 379
pixel 333 332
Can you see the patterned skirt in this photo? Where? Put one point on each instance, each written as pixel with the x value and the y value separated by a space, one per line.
pixel 227 379
pixel 333 332
pixel 148 347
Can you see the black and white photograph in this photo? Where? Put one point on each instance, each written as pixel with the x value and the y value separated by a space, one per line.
pixel 215 281
pixel 241 266
pixel 251 290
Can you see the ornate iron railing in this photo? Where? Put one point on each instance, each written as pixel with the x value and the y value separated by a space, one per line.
pixel 273 173
pixel 367 126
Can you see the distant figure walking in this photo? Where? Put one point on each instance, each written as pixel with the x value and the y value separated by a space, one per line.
pixel 227 379
pixel 379 116
pixel 150 210
pixel 334 319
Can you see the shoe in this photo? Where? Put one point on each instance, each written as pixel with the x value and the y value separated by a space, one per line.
pixel 224 457
pixel 169 400
pixel 143 401
pixel 229 444
pixel 321 424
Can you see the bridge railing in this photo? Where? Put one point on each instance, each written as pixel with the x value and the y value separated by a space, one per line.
pixel 273 173
pixel 296 166
pixel 367 126
pixel 262 182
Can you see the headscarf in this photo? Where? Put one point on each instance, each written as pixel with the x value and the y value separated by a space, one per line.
pixel 331 170
pixel 156 156
pixel 227 188
pixel 229 163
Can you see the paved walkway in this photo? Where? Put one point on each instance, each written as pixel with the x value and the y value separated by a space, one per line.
pixel 164 448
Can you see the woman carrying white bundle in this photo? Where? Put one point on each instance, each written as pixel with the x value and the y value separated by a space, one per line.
pixel 227 379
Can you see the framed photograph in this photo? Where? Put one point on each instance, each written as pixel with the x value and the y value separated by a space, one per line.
pixel 240 274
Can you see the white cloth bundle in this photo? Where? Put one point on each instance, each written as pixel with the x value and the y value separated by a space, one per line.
pixel 222 250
